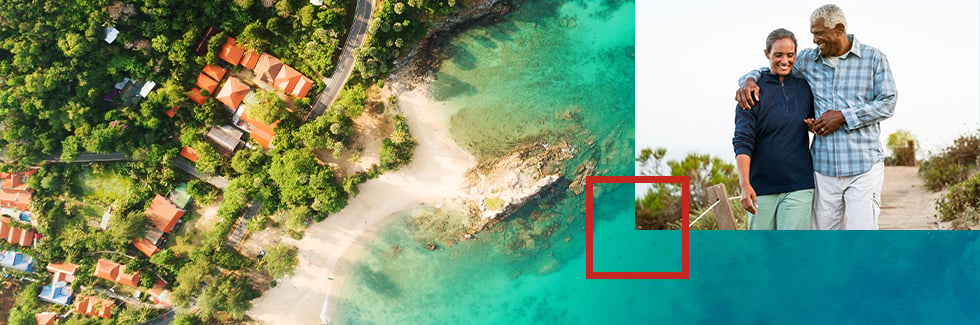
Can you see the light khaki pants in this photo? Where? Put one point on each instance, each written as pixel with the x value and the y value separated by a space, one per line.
pixel 848 202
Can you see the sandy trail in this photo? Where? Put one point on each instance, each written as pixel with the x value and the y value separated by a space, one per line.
pixel 906 203
pixel 329 248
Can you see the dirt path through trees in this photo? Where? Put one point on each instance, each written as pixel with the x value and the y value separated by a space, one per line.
pixel 906 204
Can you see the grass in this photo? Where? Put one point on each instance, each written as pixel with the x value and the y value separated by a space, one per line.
pixel 104 186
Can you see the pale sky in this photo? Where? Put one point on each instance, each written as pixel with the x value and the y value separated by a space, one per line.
pixel 690 55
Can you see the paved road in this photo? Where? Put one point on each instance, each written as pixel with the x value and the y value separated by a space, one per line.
pixel 346 63
pixel 82 157
pixel 185 165
pixel 90 157
pixel 241 226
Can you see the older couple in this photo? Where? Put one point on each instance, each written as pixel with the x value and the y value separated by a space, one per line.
pixel 840 92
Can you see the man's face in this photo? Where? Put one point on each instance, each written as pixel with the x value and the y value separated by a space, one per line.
pixel 829 40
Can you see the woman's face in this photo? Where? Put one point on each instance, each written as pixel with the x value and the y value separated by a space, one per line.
pixel 781 56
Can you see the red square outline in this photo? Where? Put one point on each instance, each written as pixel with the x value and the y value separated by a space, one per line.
pixel 685 227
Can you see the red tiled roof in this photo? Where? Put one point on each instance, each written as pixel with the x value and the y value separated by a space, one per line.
pixel 302 87
pixel 112 271
pixel 163 214
pixel 214 72
pixel 292 82
pixel 230 52
pixel 145 246
pixel 232 93
pixel 261 132
pixel 46 318
pixel 172 112
pixel 93 306
pixel 63 272
pixel 17 180
pixel 14 193
pixel 267 67
pixel 206 82
pixel 189 153
pixel 14 235
pixel 249 60
pixel 15 199
pixel 195 95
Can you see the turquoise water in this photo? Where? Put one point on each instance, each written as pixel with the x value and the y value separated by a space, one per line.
pixel 564 71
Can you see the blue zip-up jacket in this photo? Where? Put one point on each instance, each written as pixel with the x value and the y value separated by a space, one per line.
pixel 773 134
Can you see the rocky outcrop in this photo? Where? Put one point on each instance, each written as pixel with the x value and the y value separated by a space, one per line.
pixel 500 188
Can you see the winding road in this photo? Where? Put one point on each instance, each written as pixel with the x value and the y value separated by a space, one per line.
pixel 345 65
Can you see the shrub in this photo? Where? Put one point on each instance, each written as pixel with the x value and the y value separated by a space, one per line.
pixel 961 203
pixel 953 165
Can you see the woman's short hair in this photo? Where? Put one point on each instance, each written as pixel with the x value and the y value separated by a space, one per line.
pixel 831 14
pixel 778 35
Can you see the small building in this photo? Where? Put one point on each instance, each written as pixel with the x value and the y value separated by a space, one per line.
pixel 230 52
pixel 206 83
pixel 145 246
pixel 63 272
pixel 132 92
pixel 226 139
pixel 154 236
pixel 110 34
pixel 14 232
pixel 15 196
pixel 45 318
pixel 189 153
pixel 258 130
pixel 267 68
pixel 56 293
pixel 163 214
pixel 16 261
pixel 92 306
pixel 172 112
pixel 292 82
pixel 232 93
pixel 195 95
pixel 249 60
pixel 159 295
pixel 112 271
pixel 146 88
pixel 180 197
pixel 215 72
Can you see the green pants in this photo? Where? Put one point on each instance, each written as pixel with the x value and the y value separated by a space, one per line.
pixel 783 211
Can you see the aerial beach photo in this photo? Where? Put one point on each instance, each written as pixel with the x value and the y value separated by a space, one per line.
pixel 312 162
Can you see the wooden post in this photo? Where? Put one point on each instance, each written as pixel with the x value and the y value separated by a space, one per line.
pixel 722 210
pixel 912 152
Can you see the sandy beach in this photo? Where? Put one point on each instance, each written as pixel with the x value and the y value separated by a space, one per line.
pixel 329 249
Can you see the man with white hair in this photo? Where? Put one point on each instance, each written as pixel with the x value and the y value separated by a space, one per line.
pixel 853 91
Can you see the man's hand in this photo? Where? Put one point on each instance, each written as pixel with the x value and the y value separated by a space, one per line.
pixel 809 124
pixel 748 94
pixel 827 123
pixel 748 199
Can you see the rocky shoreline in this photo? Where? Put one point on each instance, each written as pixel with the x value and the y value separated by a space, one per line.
pixel 428 54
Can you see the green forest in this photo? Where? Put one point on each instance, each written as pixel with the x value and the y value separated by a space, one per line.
pixel 58 73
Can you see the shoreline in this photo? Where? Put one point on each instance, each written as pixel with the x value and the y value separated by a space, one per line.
pixel 329 248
